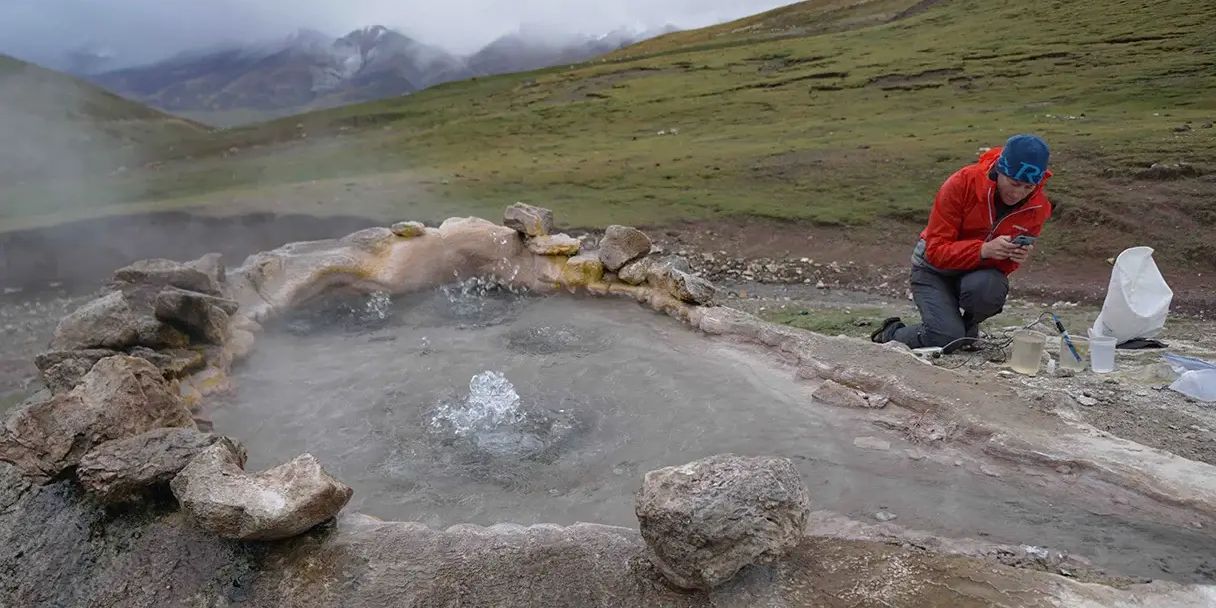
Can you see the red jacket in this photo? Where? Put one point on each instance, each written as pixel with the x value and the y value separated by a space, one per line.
pixel 964 217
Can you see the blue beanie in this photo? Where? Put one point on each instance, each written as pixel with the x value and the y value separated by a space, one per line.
pixel 1024 158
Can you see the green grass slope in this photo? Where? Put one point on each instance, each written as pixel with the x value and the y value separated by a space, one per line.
pixel 836 113
pixel 56 131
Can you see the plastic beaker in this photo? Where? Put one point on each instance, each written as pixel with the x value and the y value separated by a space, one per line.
pixel 1067 360
pixel 1102 354
pixel 1027 352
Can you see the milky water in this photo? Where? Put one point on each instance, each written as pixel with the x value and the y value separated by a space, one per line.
pixel 456 406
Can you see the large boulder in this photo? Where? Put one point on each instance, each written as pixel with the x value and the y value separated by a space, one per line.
pixel 528 220
pixel 201 316
pixel 105 322
pixel 621 245
pixel 280 502
pixel 203 275
pixel 707 520
pixel 62 370
pixel 120 397
pixel 119 470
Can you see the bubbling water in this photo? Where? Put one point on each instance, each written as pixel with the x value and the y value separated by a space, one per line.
pixel 491 403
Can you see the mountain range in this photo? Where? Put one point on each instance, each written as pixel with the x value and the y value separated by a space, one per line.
pixel 310 70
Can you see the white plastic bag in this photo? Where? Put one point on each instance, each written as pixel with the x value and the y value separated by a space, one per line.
pixel 1137 300
pixel 1197 384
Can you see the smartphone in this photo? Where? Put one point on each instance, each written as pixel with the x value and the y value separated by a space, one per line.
pixel 1024 240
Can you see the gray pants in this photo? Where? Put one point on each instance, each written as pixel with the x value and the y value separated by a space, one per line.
pixel 952 307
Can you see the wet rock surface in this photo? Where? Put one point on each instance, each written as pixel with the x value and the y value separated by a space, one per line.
pixel 122 469
pixel 707 520
pixel 119 398
pixel 277 503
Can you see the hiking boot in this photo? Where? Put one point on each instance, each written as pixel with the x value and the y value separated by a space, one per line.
pixel 886 333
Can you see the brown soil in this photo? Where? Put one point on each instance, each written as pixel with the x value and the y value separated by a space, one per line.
pixel 880 256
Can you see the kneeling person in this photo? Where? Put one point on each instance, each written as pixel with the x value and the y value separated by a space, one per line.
pixel 981 229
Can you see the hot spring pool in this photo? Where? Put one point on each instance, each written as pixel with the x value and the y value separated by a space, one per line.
pixel 463 405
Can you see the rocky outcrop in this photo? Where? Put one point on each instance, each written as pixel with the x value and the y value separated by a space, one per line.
pixel 120 397
pixel 528 220
pixel 621 245
pixel 554 244
pixel 278 503
pixel 707 520
pixel 122 469
pixel 202 317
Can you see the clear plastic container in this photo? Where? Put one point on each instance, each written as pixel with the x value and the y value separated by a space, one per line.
pixel 1067 360
pixel 1027 352
pixel 1102 354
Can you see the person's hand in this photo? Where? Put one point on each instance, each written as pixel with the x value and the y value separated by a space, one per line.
pixel 1021 254
pixel 1000 248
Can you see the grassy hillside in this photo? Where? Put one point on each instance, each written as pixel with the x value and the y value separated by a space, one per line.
pixel 836 113
pixel 56 130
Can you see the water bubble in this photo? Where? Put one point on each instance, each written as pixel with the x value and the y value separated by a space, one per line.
pixel 491 403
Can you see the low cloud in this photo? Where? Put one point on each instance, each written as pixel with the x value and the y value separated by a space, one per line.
pixel 126 32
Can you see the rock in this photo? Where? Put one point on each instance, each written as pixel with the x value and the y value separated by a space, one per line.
pixel 62 370
pixel 1206 125
pixel 203 317
pixel 707 520
pixel 839 395
pixel 120 397
pixel 119 470
pixel 554 244
pixel 1086 400
pixel 203 275
pixel 635 272
pixel 872 443
pixel 1171 171
pixel 528 220
pixel 172 362
pixel 278 503
pixel 211 265
pixel 409 230
pixel 156 334
pixel 582 269
pixel 885 516
pixel 622 244
pixel 105 322
pixel 669 274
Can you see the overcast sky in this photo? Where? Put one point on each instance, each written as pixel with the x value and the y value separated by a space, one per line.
pixel 138 31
